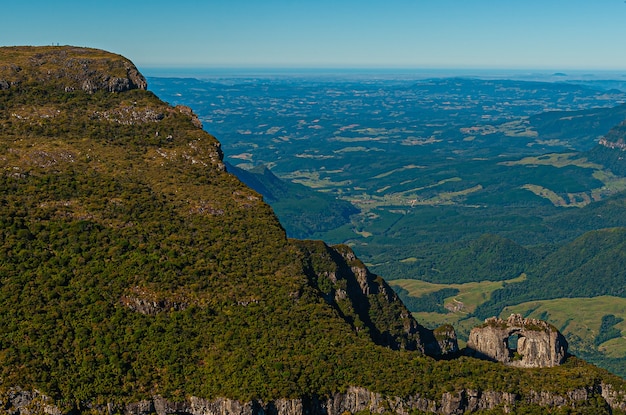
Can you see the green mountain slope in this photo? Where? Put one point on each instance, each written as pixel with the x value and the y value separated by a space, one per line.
pixel 487 258
pixel 591 266
pixel 301 210
pixel 566 273
pixel 130 258
pixel 138 276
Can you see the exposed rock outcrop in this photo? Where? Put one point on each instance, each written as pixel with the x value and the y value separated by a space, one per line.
pixel 147 302
pixel 23 402
pixel 619 144
pixel 539 344
pixel 615 138
pixel 367 302
pixel 183 109
pixel 353 400
pixel 445 341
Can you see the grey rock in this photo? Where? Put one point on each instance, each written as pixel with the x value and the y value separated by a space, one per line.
pixel 539 343
pixel 355 399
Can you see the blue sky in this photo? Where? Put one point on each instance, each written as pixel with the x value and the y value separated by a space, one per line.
pixel 535 34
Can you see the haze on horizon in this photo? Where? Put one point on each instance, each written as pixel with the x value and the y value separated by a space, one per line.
pixel 496 34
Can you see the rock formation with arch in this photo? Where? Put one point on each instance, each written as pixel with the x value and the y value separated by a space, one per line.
pixel 539 344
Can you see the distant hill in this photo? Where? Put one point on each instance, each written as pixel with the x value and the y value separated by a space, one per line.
pixel 487 258
pixel 590 266
pixel 303 211
pixel 610 151
pixel 580 129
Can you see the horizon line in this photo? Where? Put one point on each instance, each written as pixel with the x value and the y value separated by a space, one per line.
pixel 377 68
pixel 415 72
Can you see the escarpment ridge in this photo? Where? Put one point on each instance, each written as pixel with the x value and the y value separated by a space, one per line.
pixel 138 276
pixel 68 68
pixel 353 400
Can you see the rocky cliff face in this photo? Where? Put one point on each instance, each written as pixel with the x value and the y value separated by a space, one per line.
pixel 615 138
pixel 368 303
pixel 538 343
pixel 353 400
pixel 618 144
pixel 610 150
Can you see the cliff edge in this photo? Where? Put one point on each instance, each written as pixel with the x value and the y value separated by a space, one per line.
pixel 368 303
pixel 67 68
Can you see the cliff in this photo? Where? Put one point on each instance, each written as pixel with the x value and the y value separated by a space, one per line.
pixel 138 276
pixel 353 400
pixel 368 303
pixel 610 150
pixel 615 138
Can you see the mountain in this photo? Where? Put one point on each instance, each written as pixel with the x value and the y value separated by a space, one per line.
pixel 610 150
pixel 464 186
pixel 138 276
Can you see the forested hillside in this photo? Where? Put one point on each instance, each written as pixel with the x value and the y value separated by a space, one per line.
pixel 591 266
pixel 303 210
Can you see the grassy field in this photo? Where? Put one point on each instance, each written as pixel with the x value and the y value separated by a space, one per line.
pixel 581 316
pixel 556 160
pixel 611 182
pixel 460 306
pixel 470 296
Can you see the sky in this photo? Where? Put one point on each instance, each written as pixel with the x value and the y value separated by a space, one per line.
pixel 489 34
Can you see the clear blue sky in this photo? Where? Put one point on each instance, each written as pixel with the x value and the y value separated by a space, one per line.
pixel 536 34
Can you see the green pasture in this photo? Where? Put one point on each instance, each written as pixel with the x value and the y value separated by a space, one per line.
pixel 579 316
